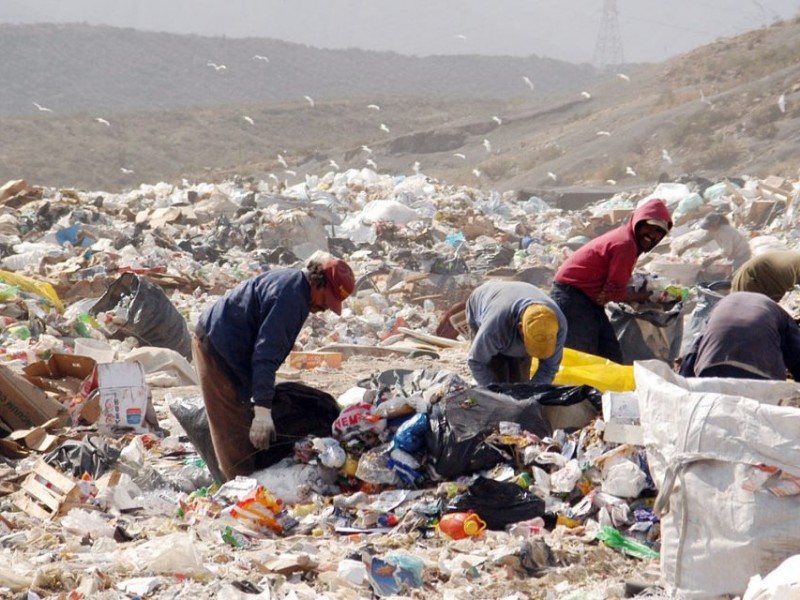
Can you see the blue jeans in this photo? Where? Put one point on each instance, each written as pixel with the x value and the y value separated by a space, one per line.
pixel 588 327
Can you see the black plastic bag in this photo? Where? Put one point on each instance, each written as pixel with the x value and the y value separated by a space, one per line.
pixel 499 503
pixel 298 411
pixel 91 455
pixel 191 415
pixel 649 333
pixel 152 318
pixel 459 424
pixel 567 407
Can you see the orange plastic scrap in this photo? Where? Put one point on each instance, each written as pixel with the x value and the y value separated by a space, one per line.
pixel 260 509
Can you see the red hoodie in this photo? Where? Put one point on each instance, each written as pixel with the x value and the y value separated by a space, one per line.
pixel 605 264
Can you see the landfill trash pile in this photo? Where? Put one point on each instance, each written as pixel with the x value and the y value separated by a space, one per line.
pixel 425 485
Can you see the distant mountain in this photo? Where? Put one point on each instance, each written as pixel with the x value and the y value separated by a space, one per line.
pixel 74 68
pixel 730 108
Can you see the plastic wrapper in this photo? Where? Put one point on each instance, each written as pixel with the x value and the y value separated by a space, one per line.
pixel 581 368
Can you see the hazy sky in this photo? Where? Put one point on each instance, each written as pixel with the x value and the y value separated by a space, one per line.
pixel 650 30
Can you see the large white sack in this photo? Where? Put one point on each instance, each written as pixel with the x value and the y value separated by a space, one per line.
pixel 705 438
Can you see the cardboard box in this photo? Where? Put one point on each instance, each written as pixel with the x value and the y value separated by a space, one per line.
pixel 22 404
pixel 123 398
pixel 61 373
pixel 312 360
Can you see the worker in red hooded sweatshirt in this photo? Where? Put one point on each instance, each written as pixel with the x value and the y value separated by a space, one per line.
pixel 599 272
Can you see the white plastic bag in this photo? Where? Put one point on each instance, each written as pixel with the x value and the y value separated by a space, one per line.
pixel 703 438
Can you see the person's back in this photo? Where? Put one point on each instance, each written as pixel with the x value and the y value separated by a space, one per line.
pixel 772 274
pixel 747 335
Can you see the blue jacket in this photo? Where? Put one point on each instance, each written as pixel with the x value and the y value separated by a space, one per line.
pixel 494 310
pixel 254 326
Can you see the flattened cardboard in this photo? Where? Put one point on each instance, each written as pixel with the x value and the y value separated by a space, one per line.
pixel 22 404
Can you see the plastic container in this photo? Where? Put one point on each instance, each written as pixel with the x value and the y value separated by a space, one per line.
pixel 99 350
pixel 461 525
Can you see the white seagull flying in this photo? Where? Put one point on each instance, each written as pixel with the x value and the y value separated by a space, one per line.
pixel 527 81
pixel 460 155
pixel 630 171
pixel 623 77
pixel 371 163
pixel 552 176
pixel 309 99
pixel 487 144
pixel 586 94
pixel 102 121
pixel 384 127
pixel 604 133
pixel 497 120
pixel 42 108
pixel 665 155
pixel 216 67
pixel 261 57
pixel 366 149
pixel 782 103
pixel 249 120
pixel 282 161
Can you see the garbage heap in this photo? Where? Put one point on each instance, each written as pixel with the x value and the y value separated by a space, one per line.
pixel 414 480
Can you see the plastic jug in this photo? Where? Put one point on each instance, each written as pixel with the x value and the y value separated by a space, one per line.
pixel 461 525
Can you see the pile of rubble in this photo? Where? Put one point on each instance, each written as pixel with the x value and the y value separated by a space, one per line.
pixel 107 485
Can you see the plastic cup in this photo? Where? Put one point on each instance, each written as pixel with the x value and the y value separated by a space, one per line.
pixel 99 350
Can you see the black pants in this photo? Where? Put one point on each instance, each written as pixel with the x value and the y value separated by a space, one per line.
pixel 588 327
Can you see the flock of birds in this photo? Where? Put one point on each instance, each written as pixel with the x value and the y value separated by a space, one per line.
pixel 369 160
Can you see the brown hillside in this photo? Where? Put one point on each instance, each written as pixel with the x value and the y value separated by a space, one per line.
pixel 712 112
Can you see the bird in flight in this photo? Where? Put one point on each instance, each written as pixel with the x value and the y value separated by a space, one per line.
pixel 630 171
pixel 527 81
pixel 497 120
pixel 552 176
pixel 586 94
pixel 373 107
pixel 102 121
pixel 126 171
pixel 611 181
pixel 384 127
pixel 371 163
pixel 282 161
pixel 665 155
pixel 309 99
pixel 249 120
pixel 461 36
pixel 42 108
pixel 604 133
pixel 416 167
pixel 273 176
pixel 487 144
pixel 460 155
pixel 366 149
pixel 216 67
pixel 623 77
pixel 333 164
pixel 476 172
pixel 782 103
pixel 261 57
pixel 290 172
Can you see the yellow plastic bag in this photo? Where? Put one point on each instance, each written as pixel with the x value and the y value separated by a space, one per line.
pixel 40 288
pixel 580 368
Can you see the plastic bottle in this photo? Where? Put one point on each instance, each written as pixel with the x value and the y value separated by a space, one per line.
pixel 461 525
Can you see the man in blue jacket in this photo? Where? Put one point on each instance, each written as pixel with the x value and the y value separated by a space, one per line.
pixel 511 323
pixel 243 338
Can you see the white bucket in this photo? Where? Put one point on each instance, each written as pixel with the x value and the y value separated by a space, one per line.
pixel 99 350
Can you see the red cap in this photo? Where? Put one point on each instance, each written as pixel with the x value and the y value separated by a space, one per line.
pixel 340 283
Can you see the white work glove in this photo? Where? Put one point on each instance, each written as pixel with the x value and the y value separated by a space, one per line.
pixel 262 429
